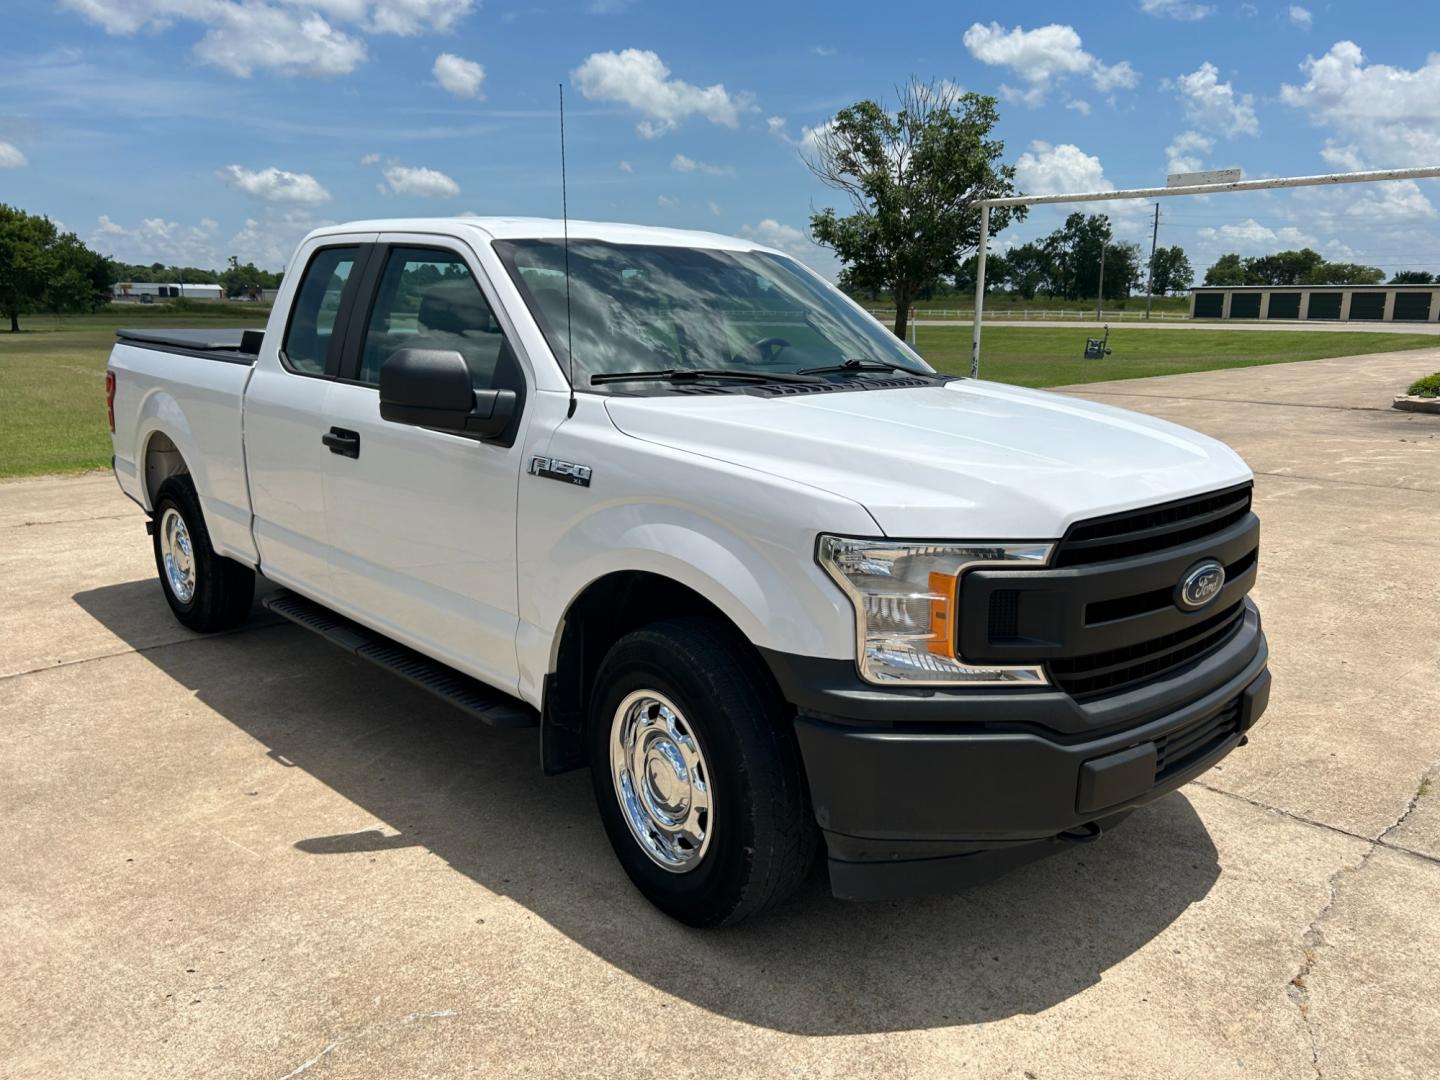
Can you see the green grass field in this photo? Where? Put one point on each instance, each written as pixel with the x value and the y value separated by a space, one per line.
pixel 1053 356
pixel 52 376
pixel 52 383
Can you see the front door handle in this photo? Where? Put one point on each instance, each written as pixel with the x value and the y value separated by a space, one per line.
pixel 342 441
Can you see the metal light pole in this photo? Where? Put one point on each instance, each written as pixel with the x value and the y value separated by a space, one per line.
pixel 979 289
pixel 1100 288
pixel 1150 276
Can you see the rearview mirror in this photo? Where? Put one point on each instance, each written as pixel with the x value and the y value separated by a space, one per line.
pixel 431 388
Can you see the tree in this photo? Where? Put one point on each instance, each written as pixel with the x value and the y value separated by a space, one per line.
pixel 1284 267
pixel 80 279
pixel 997 273
pixel 913 177
pixel 27 261
pixel 1413 277
pixel 1030 269
pixel 1228 270
pixel 1172 272
pixel 1346 274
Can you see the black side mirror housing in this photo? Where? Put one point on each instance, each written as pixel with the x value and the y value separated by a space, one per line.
pixel 431 388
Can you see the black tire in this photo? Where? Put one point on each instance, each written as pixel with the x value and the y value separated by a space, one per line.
pixel 762 834
pixel 223 589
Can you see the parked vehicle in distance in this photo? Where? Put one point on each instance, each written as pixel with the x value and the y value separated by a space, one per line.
pixel 728 542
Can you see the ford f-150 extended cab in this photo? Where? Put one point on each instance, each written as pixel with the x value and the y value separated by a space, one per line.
pixel 679 502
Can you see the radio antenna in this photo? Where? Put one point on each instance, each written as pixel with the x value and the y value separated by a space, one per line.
pixel 565 224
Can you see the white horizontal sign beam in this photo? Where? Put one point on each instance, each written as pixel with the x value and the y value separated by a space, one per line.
pixel 1429 172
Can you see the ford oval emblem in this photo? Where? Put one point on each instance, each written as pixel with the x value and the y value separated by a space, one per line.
pixel 1201 584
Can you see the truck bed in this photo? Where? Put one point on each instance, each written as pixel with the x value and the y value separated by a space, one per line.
pixel 231 345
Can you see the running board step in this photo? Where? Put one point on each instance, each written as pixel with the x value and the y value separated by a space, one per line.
pixel 485 703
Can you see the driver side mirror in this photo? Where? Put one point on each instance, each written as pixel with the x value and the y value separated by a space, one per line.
pixel 431 388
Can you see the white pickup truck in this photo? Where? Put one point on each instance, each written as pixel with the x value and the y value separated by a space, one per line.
pixel 727 541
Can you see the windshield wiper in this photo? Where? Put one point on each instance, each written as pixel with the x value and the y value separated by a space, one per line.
pixel 860 365
pixel 695 374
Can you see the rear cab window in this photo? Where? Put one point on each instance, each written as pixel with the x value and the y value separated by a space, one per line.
pixel 311 332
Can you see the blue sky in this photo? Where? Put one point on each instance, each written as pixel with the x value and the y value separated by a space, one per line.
pixel 189 130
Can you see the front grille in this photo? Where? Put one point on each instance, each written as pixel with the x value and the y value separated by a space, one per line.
pixel 1116 669
pixel 1154 528
pixel 1182 748
pixel 1005 615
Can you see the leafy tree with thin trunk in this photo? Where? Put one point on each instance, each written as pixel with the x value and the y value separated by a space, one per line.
pixel 1173 272
pixel 913 177
pixel 1413 277
pixel 43 269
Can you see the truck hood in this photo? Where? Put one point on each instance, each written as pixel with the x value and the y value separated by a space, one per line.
pixel 960 460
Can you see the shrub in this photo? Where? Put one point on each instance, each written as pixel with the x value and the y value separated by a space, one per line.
pixel 1429 386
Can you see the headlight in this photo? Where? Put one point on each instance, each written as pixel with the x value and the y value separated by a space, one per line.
pixel 906 605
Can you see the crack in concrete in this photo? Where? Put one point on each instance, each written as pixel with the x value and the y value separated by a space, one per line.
pixel 68 521
pixel 1378 841
pixel 1313 940
pixel 5 676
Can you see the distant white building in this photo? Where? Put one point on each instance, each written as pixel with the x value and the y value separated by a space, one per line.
pixel 139 290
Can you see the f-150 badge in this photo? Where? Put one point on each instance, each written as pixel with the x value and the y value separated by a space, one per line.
pixel 565 471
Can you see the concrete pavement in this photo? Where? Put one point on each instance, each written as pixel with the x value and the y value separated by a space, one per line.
pixel 252 856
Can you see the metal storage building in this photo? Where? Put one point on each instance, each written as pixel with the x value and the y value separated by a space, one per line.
pixel 1344 303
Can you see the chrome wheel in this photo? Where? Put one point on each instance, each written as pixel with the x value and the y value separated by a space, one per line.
pixel 661 781
pixel 177 554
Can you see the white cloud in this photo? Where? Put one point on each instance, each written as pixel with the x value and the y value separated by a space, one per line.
pixel 1214 105
pixel 1047 169
pixel 158 240
pixel 809 136
pixel 1057 170
pixel 247 38
pixel 11 157
pixel 458 76
pixel 1250 235
pixel 1078 105
pixel 667 200
pixel 823 50
pixel 639 78
pixel 793 242
pixel 274 185
pixel 419 181
pixel 1393 202
pixel 610 7
pixel 681 163
pixel 270 240
pixel 1043 57
pixel 1300 17
pixel 1383 116
pixel 775 125
pixel 1183 10
pixel 626 167
pixel 370 159
pixel 714 207
pixel 1186 152
pixel 410 17
pixel 289 37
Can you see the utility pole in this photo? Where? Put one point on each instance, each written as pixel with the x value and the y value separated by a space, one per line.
pixel 1100 289
pixel 1150 277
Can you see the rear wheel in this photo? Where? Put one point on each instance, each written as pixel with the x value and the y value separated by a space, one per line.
pixel 697 775
pixel 206 591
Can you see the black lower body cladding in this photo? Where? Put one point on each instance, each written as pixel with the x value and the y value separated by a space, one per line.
pixel 926 790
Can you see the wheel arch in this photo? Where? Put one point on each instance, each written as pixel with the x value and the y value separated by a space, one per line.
pixel 607 609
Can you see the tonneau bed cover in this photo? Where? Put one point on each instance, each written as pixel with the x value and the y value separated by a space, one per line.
pixel 233 345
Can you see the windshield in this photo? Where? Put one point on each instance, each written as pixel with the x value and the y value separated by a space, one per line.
pixel 639 308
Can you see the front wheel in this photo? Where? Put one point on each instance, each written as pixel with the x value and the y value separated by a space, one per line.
pixel 697 774
pixel 206 591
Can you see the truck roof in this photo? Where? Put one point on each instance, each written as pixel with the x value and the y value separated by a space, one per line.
pixel 526 228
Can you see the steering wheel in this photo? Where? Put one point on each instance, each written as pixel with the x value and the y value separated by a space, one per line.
pixel 769 348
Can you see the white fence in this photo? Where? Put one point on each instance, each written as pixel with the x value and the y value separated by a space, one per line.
pixel 1029 315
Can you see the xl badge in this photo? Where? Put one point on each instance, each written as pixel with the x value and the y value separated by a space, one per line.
pixel 1201 584
pixel 555 469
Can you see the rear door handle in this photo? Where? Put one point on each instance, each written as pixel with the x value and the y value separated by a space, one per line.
pixel 342 441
